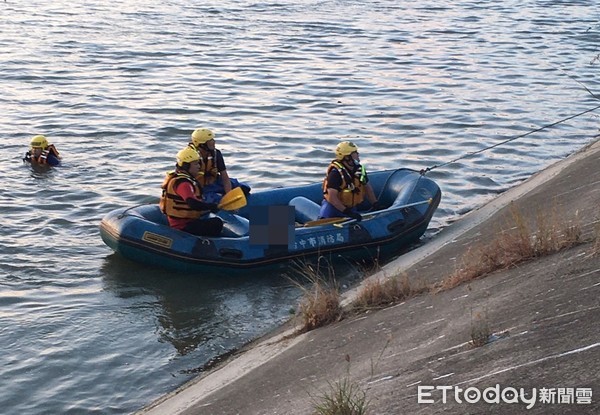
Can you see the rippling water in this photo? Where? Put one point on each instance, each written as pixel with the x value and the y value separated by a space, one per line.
pixel 119 87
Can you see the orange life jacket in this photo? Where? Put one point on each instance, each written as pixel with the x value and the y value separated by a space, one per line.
pixel 352 190
pixel 171 204
pixel 43 157
pixel 208 169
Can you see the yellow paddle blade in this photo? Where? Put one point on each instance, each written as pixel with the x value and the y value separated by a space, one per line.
pixel 233 200
pixel 325 221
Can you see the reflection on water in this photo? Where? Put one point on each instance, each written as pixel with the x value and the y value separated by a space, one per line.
pixel 218 312
pixel 194 312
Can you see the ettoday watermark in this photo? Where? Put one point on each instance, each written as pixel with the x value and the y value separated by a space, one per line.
pixel 509 395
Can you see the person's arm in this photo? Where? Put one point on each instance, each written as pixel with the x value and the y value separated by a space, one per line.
pixel 333 197
pixel 226 181
pixel 52 150
pixel 186 191
pixel 52 160
pixel 334 183
pixel 222 169
pixel 370 194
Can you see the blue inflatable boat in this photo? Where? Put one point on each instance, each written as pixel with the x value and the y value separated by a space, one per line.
pixel 408 200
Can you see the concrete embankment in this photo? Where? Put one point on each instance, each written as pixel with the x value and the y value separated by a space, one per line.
pixel 416 358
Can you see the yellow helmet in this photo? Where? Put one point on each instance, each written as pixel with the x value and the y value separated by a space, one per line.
pixel 39 141
pixel 187 155
pixel 345 148
pixel 201 136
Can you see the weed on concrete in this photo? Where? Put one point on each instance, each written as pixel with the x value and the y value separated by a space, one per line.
pixel 520 242
pixel 480 329
pixel 344 397
pixel 379 293
pixel 320 304
pixel 596 246
pixel 517 243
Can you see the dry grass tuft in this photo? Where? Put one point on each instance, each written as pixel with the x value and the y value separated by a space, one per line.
pixel 521 242
pixel 480 329
pixel 596 247
pixel 343 398
pixel 382 292
pixel 320 304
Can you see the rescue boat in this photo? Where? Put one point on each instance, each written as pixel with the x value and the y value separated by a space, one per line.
pixel 407 199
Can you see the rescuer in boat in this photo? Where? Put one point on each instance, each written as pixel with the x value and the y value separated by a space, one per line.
pixel 346 184
pixel 213 176
pixel 182 200
pixel 42 153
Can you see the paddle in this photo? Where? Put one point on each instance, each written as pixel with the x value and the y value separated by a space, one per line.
pixel 336 221
pixel 325 221
pixel 233 200
pixel 372 215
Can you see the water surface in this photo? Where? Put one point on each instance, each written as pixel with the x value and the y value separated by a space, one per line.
pixel 119 88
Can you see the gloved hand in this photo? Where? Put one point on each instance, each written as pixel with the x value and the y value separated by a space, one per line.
pixel 352 214
pixel 376 206
pixel 213 207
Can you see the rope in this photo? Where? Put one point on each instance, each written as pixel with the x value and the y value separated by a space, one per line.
pixel 428 169
pixel 126 211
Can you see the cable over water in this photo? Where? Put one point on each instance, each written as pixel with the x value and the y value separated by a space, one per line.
pixel 472 153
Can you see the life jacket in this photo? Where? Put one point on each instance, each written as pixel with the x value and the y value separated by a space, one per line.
pixel 171 204
pixel 352 190
pixel 208 169
pixel 43 157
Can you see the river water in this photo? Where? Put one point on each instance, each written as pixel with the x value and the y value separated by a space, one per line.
pixel 119 86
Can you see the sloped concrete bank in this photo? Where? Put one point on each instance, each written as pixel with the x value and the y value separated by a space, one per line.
pixel 415 357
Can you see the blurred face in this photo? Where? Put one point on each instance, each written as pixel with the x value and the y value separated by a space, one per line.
pixel 36 151
pixel 210 144
pixel 353 158
pixel 194 168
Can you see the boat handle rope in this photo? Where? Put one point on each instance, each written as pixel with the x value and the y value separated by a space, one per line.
pixel 125 212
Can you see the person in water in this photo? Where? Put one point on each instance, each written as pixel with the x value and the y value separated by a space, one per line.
pixel 42 153
pixel 182 199
pixel 346 184
pixel 213 176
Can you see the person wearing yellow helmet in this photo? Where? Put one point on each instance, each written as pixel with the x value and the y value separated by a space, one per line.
pixel 41 152
pixel 213 176
pixel 182 201
pixel 346 184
